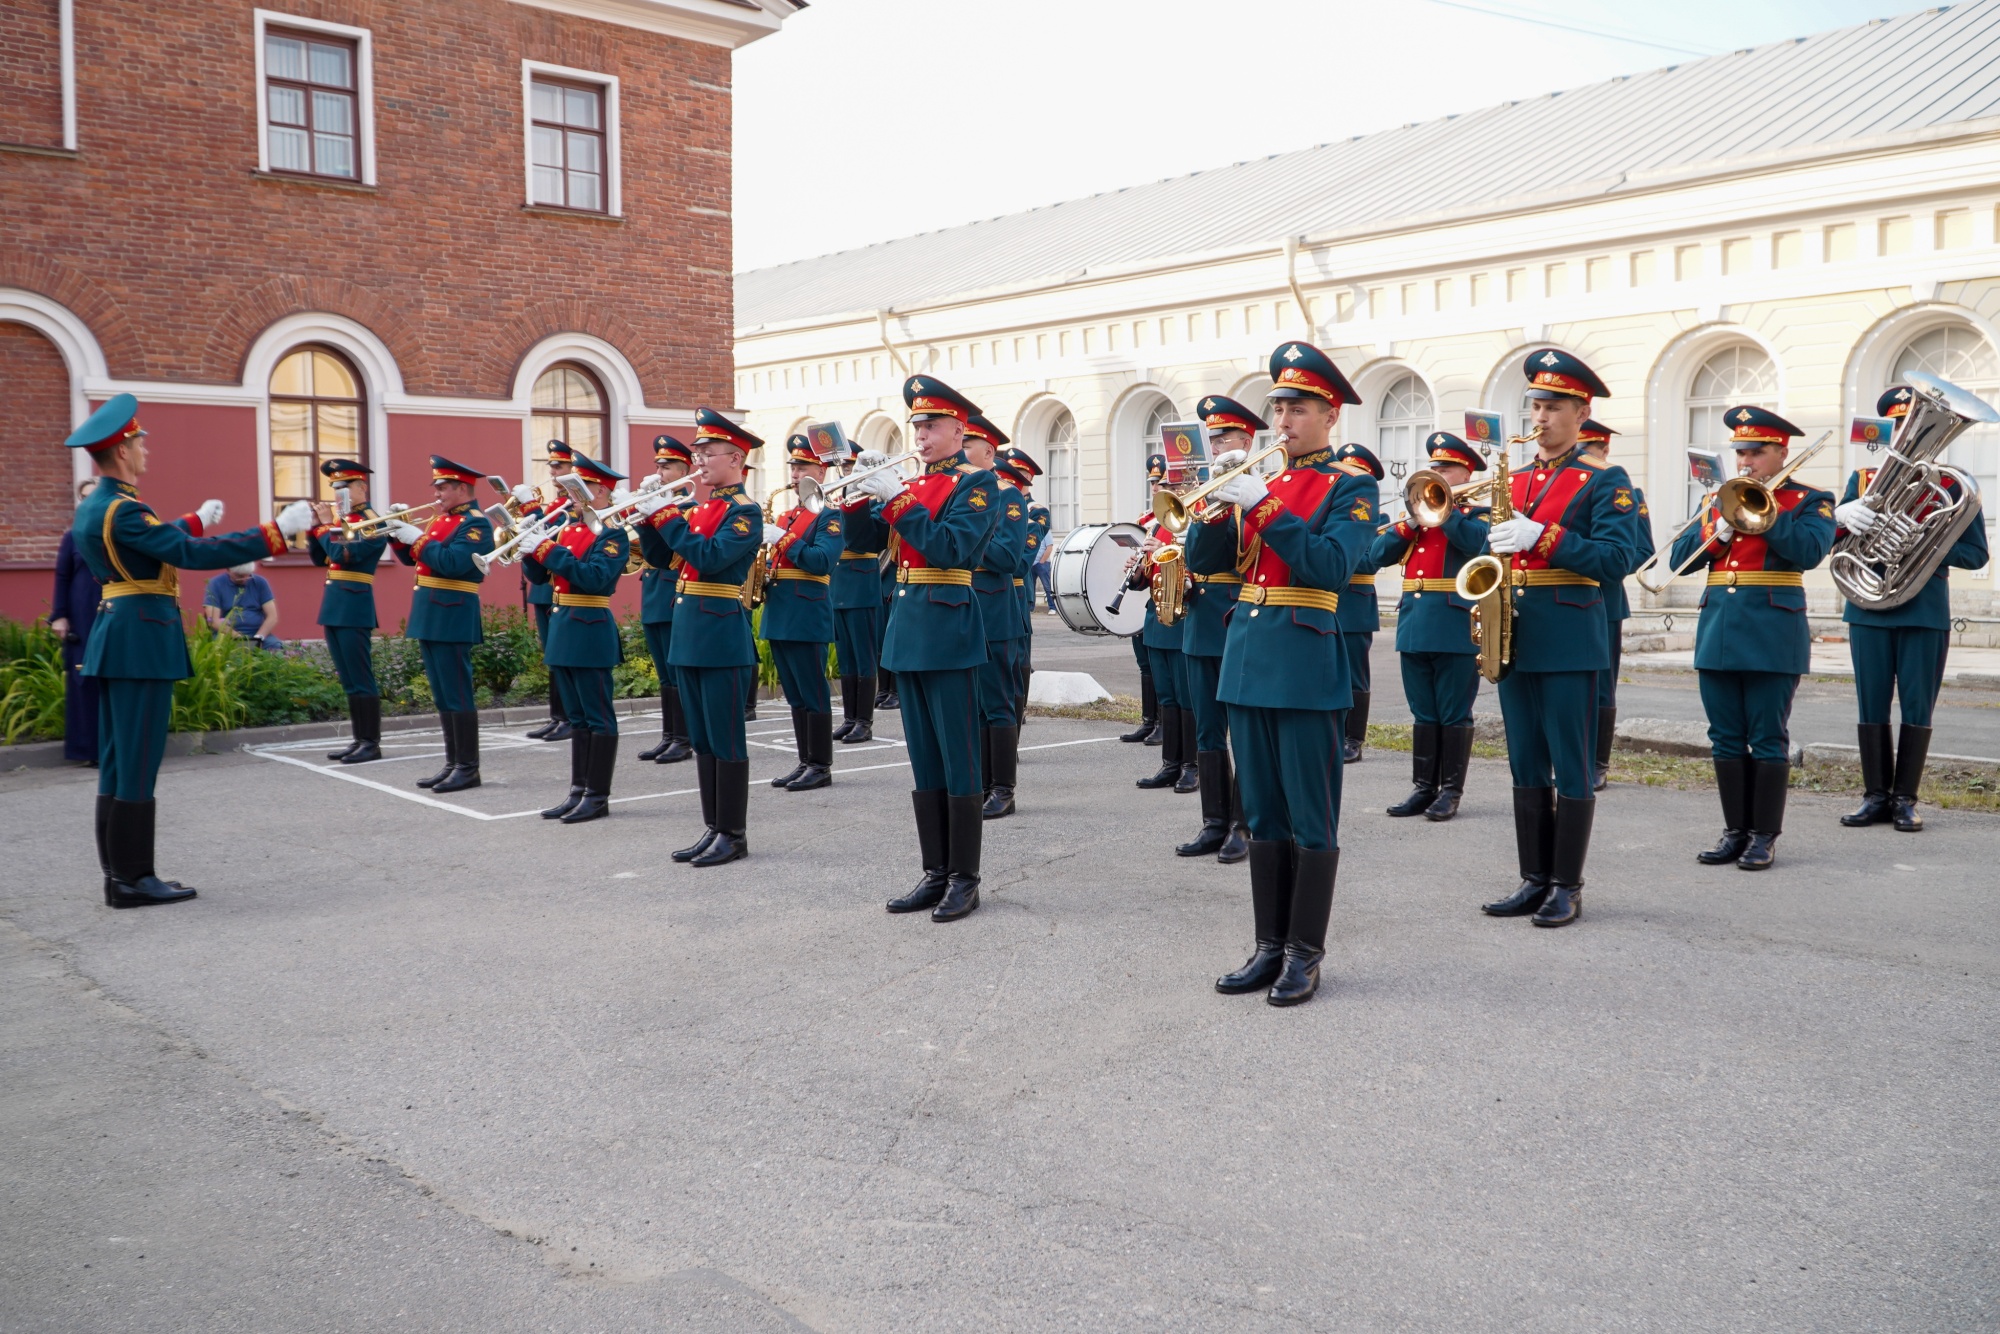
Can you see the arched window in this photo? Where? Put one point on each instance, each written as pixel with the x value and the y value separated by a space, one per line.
pixel 317 411
pixel 1741 374
pixel 1960 355
pixel 1158 414
pixel 569 405
pixel 1405 417
pixel 1064 492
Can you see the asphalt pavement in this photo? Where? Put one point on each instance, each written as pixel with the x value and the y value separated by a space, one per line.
pixel 441 1065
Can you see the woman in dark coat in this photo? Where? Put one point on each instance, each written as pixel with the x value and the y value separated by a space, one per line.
pixel 71 612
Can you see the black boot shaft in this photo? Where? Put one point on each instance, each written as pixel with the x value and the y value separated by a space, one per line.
pixel 465 772
pixel 579 774
pixel 1913 748
pixel 1564 903
pixel 1770 784
pixel 967 829
pixel 1534 848
pixel 1190 779
pixel 732 808
pixel 128 839
pixel 1169 771
pixel 1878 769
pixel 1424 750
pixel 1454 760
pixel 704 769
pixel 600 761
pixel 1732 788
pixel 819 754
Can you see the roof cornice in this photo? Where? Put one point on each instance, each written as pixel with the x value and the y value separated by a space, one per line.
pixel 713 22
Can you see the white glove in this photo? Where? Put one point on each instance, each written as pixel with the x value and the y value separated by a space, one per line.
pixel 652 482
pixel 1515 535
pixel 772 533
pixel 619 494
pixel 1723 532
pixel 1855 517
pixel 294 519
pixel 406 533
pixel 882 486
pixel 652 504
pixel 1246 492
pixel 209 512
pixel 869 458
pixel 1231 458
pixel 526 495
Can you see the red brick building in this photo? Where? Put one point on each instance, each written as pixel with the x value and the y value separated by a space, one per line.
pixel 345 227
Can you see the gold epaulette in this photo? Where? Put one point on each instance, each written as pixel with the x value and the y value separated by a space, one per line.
pixel 1590 461
pixel 1351 468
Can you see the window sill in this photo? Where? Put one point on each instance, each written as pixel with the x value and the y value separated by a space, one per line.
pixel 313 182
pixel 573 214
pixel 37 150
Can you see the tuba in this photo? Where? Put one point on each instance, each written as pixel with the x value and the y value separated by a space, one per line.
pixel 1918 519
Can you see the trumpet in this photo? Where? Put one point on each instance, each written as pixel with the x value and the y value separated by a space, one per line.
pixel 510 551
pixel 1747 504
pixel 815 495
pixel 1175 512
pixel 375 524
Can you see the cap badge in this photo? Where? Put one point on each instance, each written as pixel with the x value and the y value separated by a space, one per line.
pixel 1292 353
pixel 1551 359
pixel 1744 415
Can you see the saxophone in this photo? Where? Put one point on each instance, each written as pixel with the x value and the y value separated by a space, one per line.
pixel 1170 583
pixel 1486 581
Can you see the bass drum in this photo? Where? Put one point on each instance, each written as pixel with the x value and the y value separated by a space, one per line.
pixel 1089 574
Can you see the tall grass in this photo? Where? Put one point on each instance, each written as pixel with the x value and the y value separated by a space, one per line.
pixel 31 682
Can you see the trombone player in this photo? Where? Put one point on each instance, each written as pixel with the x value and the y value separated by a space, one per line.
pixel 1570 536
pixel 1753 643
pixel 347 607
pixel 1434 630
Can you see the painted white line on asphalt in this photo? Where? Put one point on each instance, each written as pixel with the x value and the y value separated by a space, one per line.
pixel 1057 745
pixel 344 776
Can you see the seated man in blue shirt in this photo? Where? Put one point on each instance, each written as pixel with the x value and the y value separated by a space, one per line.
pixel 240 601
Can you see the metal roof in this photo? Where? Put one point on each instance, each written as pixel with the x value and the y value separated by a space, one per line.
pixel 1880 79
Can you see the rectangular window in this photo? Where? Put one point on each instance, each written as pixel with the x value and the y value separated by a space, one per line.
pixel 314 98
pixel 1788 249
pixel 1642 268
pixel 1953 228
pixel 1597 274
pixel 1840 241
pixel 1687 263
pixel 1735 256
pixel 568 155
pixel 1892 235
pixel 1481 284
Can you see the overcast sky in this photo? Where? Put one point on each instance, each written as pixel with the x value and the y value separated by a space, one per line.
pixel 870 119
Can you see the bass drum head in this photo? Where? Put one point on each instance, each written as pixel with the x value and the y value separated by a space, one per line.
pixel 1089 574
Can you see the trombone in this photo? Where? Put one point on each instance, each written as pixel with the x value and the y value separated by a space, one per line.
pixel 375 524
pixel 1748 504
pixel 1428 500
pixel 1175 512
pixel 816 495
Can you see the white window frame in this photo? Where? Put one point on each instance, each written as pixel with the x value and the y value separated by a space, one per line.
pixel 364 87
pixel 614 175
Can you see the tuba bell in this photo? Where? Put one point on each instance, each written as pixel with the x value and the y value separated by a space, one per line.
pixel 1918 518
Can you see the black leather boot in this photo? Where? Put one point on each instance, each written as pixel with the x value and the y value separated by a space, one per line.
pixel 985 760
pixel 1732 783
pixel 966 828
pixel 1913 747
pixel 1423 771
pixel 678 748
pixel 1190 779
pixel 1149 709
pixel 886 696
pixel 103 823
pixel 1607 732
pixel 799 748
pixel 1237 846
pixel 1770 781
pixel 558 728
pixel 732 814
pixel 1454 758
pixel 819 754
pixel 600 762
pixel 579 776
pixel 1214 766
pixel 1878 765
pixel 847 714
pixel 1565 901
pixel 933 847
pixel 1356 737
pixel 652 753
pixel 1313 873
pixel 128 843
pixel 864 712
pixel 1271 903
pixel 466 773
pixel 1534 847
pixel 704 769
pixel 750 699
pixel 1006 769
pixel 450 752
pixel 354 728
pixel 1170 751
pixel 366 710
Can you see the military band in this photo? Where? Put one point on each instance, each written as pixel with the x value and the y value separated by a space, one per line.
pixel 347 606
pixel 445 617
pixel 656 609
pixel 1002 564
pixel 797 620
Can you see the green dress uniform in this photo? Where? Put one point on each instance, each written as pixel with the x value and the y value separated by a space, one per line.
pixel 858 616
pixel 1585 509
pixel 1752 645
pixel 138 648
pixel 1166 668
pixel 540 596
pixel 1360 613
pixel 1901 653
pixel 1003 565
pixel 1439 661
pixel 656 621
pixel 1617 611
pixel 347 615
pixel 935 529
pixel 713 648
pixel 798 624
pixel 445 621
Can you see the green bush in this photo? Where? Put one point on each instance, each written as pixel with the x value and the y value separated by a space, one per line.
pixel 31 683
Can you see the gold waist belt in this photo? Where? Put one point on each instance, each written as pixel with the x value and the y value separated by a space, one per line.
pixel 583 600
pixel 703 589
pixel 350 576
pixel 1756 578
pixel 1362 581
pixel 860 555
pixel 1218 578
pixel 1429 585
pixel 1544 578
pixel 448 585
pixel 125 588
pixel 1291 597
pixel 926 575
pixel 801 574
pixel 1020 583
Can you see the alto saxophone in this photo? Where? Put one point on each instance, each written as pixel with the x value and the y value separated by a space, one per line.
pixel 1486 581
pixel 1170 583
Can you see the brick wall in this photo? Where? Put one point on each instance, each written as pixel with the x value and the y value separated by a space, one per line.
pixel 31 73
pixel 36 501
pixel 162 237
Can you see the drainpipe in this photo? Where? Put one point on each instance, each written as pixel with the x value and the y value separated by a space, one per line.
pixel 1292 281
pixel 882 328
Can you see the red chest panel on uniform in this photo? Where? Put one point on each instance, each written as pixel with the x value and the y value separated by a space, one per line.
pixel 1426 556
pixel 442 527
pixel 1554 498
pixel 356 517
pixel 576 540
pixel 797 521
pixel 931 490
pixel 1301 491
pixel 705 521
pixel 1746 552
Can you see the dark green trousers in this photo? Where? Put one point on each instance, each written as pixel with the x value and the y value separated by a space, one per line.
pixel 448 667
pixel 132 720
pixel 1440 687
pixel 1288 767
pixel 941 730
pixel 353 661
pixel 712 698
pixel 1749 713
pixel 801 667
pixel 1903 661
pixel 585 697
pixel 1551 718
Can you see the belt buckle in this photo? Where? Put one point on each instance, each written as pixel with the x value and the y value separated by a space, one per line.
pixel 1731 581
